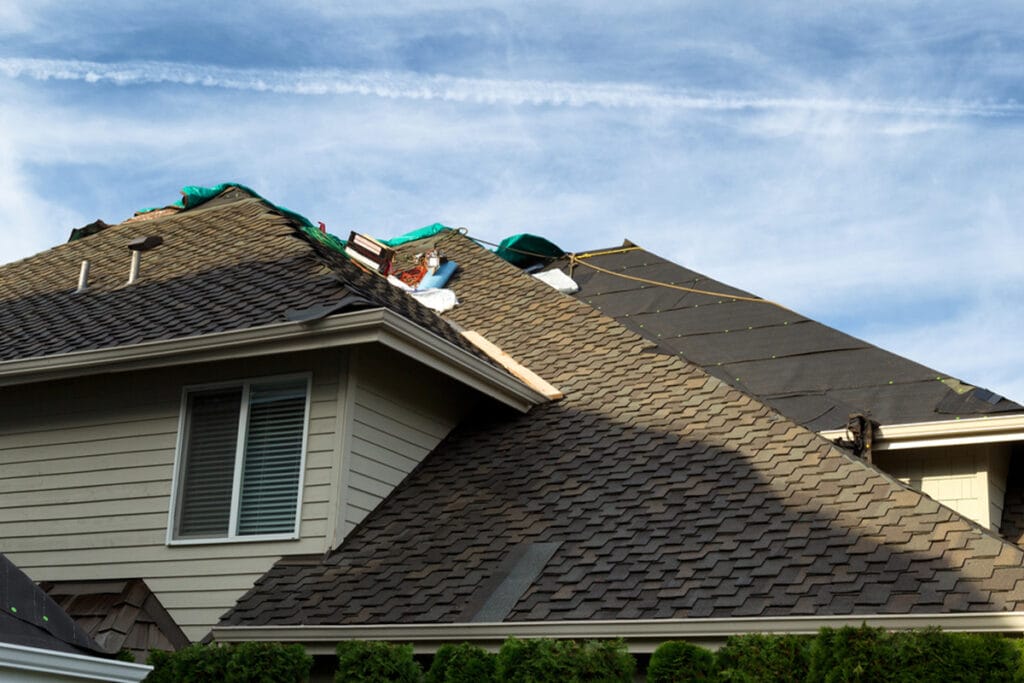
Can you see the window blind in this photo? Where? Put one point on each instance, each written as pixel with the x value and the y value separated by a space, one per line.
pixel 272 459
pixel 212 439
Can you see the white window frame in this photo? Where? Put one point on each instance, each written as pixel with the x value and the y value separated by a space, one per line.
pixel 179 461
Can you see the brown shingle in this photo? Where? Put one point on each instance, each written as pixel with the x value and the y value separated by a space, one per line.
pixel 648 476
pixel 119 614
pixel 222 267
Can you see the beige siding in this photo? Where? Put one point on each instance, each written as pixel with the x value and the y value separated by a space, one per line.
pixel 85 483
pixel 969 478
pixel 399 412
pixel 998 470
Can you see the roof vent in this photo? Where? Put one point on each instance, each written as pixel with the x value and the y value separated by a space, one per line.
pixel 137 246
pixel 83 277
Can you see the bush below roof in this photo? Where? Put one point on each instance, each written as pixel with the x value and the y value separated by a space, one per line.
pixel 848 654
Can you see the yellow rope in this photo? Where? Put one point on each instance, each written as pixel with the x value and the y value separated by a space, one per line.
pixel 736 297
pixel 590 254
pixel 575 259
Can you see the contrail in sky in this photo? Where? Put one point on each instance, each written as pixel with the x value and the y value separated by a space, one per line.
pixel 413 86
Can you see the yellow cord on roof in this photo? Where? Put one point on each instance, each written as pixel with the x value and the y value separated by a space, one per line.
pixel 623 250
pixel 575 259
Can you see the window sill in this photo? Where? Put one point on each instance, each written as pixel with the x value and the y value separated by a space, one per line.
pixel 234 539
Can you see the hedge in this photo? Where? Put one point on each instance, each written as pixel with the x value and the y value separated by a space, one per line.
pixel 556 661
pixel 244 663
pixel 677 661
pixel 845 655
pixel 873 654
pixel 462 663
pixel 756 658
pixel 373 662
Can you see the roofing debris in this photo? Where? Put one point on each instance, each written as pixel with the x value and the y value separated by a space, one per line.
pixel 558 280
pixel 86 230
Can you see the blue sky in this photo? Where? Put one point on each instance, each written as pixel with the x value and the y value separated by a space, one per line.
pixel 858 162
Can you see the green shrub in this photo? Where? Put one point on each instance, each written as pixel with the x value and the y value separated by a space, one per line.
pixel 850 655
pixel 126 655
pixel 756 658
pixel 245 663
pixel 559 661
pixel 871 654
pixel 676 661
pixel 934 654
pixel 604 660
pixel 535 661
pixel 193 664
pixel 374 662
pixel 268 663
pixel 462 663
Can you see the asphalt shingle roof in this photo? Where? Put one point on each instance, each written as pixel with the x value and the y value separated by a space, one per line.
pixel 653 490
pixel 230 264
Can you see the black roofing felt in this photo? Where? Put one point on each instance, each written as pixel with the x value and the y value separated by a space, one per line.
pixel 812 373
pixel 30 618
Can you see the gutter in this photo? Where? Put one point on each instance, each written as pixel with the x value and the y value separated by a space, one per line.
pixel 642 636
pixel 65 666
pixel 986 429
pixel 377 325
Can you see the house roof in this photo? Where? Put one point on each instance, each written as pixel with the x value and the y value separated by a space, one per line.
pixel 653 490
pixel 119 614
pixel 30 618
pixel 232 263
pixel 810 372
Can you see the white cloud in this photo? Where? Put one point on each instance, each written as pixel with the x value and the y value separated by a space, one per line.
pixel 980 345
pixel 412 86
pixel 16 17
pixel 29 220
pixel 818 200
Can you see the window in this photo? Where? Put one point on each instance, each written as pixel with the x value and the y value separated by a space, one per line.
pixel 240 461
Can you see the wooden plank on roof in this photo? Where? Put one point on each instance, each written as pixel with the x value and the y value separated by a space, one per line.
pixel 523 373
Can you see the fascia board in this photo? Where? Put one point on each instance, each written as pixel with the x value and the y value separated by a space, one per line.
pixel 347 329
pixel 988 429
pixel 412 340
pixel 68 666
pixel 641 636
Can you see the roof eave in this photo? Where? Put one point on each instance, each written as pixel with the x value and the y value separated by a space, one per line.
pixel 66 666
pixel 377 325
pixel 985 429
pixel 641 635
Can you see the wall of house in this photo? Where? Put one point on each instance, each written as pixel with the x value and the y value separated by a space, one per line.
pixel 969 478
pixel 399 413
pixel 86 471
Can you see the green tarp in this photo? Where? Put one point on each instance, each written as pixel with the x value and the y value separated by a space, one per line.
pixel 525 250
pixel 520 250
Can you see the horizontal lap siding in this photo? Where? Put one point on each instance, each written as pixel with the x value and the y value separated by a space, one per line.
pixel 400 412
pixel 85 483
pixel 970 478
